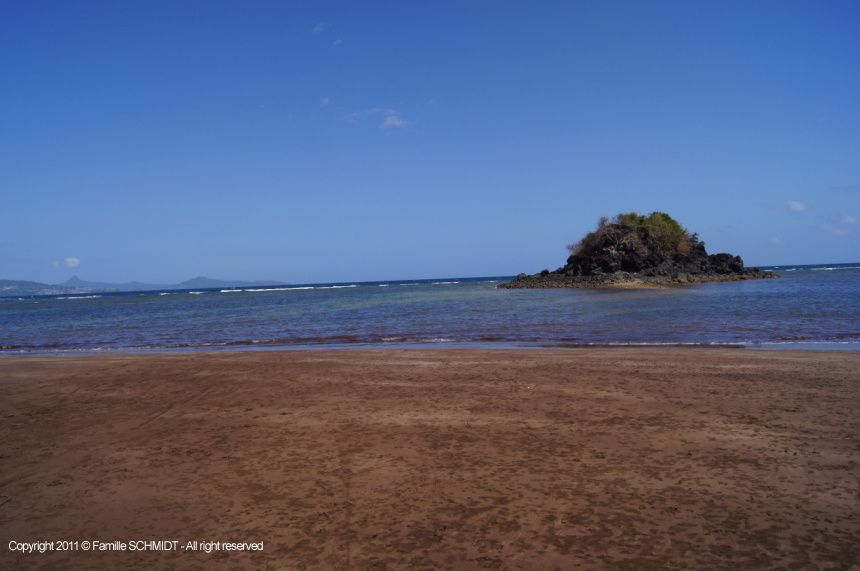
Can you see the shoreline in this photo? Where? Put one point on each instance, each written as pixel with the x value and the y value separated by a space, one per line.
pixel 641 457
pixel 548 345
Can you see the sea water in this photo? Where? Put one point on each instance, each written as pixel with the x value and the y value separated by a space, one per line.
pixel 814 306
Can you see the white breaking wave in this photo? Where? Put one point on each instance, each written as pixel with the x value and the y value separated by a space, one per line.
pixel 384 285
pixel 409 284
pixel 417 340
pixel 195 292
pixel 80 297
pixel 278 288
pixel 444 283
pixel 271 289
pixel 834 342
pixel 165 293
pixel 840 268
pixel 337 286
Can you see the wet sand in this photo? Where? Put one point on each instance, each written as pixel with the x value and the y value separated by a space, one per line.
pixel 582 458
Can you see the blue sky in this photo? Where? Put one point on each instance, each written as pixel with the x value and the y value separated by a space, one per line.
pixel 373 140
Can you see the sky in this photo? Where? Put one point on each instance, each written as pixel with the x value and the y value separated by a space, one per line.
pixel 340 141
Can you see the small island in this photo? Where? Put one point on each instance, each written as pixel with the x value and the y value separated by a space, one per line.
pixel 633 250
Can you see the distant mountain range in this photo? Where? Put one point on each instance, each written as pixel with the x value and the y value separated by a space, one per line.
pixel 76 285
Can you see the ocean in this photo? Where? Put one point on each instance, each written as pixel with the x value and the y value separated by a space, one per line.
pixel 813 306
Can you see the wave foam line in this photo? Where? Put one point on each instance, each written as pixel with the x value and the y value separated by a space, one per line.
pixel 279 288
pixel 253 290
pixel 832 342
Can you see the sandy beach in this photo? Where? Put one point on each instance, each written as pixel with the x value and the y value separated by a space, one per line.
pixel 457 459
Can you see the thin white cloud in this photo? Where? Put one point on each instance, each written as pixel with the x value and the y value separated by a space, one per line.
pixel 336 43
pixel 319 28
pixel 836 230
pixel 845 188
pixel 797 206
pixel 325 100
pixel 841 225
pixel 391 118
pixel 72 262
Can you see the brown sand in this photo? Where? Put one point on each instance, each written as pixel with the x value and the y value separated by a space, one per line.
pixel 632 458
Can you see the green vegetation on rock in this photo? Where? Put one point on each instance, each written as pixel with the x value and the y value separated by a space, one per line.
pixel 657 230
pixel 632 248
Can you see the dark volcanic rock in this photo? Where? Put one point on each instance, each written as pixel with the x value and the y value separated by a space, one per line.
pixel 636 255
pixel 726 264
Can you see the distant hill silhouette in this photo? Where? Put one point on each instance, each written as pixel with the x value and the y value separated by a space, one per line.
pixel 18 288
